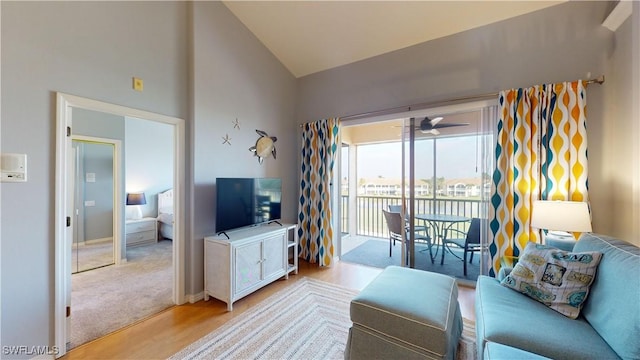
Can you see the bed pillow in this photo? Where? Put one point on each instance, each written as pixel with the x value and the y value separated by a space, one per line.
pixel 559 279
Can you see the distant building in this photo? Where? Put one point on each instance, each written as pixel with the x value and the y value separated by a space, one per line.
pixel 465 187
pixel 391 187
pixel 468 187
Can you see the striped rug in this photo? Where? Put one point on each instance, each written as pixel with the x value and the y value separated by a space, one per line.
pixel 307 320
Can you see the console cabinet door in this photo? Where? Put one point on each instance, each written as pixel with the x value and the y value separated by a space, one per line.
pixel 248 266
pixel 274 259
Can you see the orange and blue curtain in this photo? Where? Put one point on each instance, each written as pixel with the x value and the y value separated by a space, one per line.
pixel 540 153
pixel 319 150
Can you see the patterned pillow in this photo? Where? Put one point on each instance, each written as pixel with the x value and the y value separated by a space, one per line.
pixel 557 278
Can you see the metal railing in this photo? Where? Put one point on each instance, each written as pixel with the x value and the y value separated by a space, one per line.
pixel 370 221
pixel 344 211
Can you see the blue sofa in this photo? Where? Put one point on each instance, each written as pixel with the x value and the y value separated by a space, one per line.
pixel 510 325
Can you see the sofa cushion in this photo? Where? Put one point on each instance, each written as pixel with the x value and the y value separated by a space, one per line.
pixel 498 351
pixel 557 278
pixel 510 318
pixel 613 307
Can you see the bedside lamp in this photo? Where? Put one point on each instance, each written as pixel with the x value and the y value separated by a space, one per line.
pixel 560 218
pixel 135 200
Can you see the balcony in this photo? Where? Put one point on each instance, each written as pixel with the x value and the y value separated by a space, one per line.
pixel 450 173
pixel 365 234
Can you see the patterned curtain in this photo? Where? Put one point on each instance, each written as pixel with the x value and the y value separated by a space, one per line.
pixel 319 149
pixel 541 153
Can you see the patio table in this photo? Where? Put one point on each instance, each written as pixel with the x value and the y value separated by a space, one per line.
pixel 440 224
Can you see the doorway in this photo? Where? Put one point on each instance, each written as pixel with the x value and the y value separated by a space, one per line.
pixel 64 205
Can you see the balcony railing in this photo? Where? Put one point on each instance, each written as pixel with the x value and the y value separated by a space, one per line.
pixel 344 211
pixel 370 221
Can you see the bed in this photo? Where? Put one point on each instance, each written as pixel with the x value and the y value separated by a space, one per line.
pixel 165 214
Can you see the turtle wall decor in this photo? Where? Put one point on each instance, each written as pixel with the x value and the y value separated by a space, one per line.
pixel 264 145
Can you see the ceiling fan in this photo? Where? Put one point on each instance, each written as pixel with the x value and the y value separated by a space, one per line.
pixel 431 126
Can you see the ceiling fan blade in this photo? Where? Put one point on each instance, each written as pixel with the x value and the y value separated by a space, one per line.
pixel 432 131
pixel 436 120
pixel 451 125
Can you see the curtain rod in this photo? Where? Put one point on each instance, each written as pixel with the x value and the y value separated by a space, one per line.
pixel 599 80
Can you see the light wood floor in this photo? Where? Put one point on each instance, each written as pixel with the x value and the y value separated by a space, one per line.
pixel 165 334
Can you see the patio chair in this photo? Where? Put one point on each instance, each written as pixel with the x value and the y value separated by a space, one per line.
pixel 469 242
pixel 417 228
pixel 396 226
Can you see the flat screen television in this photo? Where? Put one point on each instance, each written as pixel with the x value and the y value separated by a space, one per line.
pixel 242 202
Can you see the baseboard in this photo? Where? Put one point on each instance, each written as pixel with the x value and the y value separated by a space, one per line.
pixel 194 298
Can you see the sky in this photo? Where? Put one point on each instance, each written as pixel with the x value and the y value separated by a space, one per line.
pixel 456 159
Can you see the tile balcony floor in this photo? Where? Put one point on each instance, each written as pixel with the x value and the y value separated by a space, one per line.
pixel 374 252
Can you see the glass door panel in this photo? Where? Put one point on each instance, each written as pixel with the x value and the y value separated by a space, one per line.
pixel 93 239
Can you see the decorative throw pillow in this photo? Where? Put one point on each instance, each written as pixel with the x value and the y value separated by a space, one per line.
pixel 557 278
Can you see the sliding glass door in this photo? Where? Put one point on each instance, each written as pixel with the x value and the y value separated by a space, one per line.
pixel 438 180
pixel 447 180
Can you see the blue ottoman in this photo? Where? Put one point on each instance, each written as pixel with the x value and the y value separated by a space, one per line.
pixel 405 314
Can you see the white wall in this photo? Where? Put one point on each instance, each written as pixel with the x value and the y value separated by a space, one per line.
pixel 148 160
pixel 235 76
pixel 618 171
pixel 90 49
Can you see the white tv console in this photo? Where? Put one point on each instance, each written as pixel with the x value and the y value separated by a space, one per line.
pixel 248 260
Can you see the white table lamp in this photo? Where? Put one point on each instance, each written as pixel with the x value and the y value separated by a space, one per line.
pixel 560 218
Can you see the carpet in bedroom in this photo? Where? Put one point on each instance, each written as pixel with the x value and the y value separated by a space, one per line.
pixel 109 298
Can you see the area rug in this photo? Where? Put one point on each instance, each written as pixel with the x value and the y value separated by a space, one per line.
pixel 307 320
pixel 375 253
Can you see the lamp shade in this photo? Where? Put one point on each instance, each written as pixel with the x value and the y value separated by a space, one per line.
pixel 136 199
pixel 572 216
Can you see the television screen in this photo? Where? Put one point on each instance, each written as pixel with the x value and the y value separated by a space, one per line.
pixel 246 201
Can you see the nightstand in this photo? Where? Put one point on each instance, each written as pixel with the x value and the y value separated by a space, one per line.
pixel 141 232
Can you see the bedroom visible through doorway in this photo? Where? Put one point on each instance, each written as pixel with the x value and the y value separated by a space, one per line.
pixel 136 171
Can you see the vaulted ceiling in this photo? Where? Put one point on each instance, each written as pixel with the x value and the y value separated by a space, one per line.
pixel 311 36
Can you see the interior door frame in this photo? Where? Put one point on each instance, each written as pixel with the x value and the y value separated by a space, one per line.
pixel 64 105
pixel 118 186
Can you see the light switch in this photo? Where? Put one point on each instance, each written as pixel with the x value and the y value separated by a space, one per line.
pixel 90 203
pixel 91 177
pixel 138 84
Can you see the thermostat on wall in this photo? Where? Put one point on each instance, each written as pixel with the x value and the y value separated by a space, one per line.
pixel 13 167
